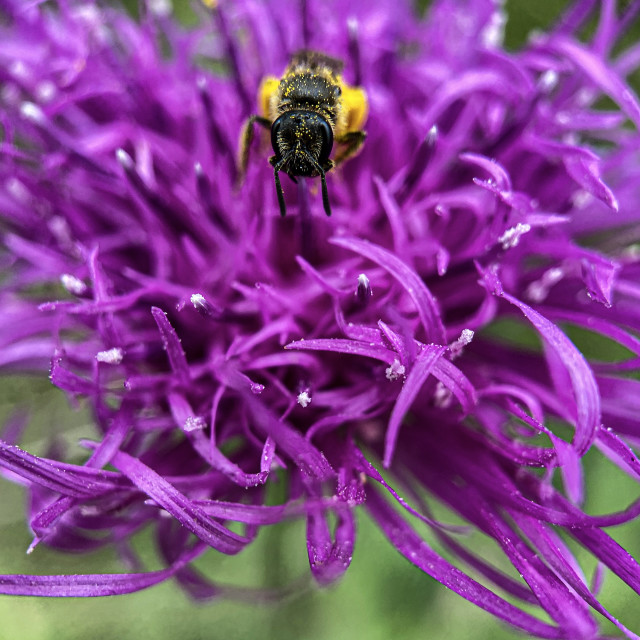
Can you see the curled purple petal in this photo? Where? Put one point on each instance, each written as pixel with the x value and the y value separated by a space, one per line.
pixel 413 384
pixel 426 305
pixel 176 503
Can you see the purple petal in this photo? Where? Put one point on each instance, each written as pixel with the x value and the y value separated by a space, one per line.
pixel 67 479
pixel 416 378
pixel 425 303
pixel 178 505
pixel 567 365
pixel 602 75
pixel 89 585
pixel 410 545
pixel 339 345
pixel 171 344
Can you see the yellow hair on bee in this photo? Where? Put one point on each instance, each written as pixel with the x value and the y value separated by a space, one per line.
pixel 355 107
pixel 268 87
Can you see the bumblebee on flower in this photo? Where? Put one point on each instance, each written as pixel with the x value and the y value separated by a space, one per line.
pixel 307 110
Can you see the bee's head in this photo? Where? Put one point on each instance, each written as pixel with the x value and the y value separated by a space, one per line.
pixel 303 139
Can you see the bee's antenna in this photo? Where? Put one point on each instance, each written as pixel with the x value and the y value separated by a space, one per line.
pixel 325 194
pixel 276 176
pixel 323 181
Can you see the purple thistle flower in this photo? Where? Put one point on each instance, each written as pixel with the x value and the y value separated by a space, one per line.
pixel 216 342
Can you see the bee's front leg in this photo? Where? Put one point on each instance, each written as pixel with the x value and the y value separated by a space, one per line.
pixel 246 138
pixel 277 165
pixel 351 141
pixel 328 165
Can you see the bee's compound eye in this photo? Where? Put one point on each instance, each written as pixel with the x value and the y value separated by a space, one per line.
pixel 327 140
pixel 275 129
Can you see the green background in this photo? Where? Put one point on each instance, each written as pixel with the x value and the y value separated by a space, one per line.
pixel 381 596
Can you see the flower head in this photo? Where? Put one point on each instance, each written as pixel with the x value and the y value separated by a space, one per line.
pixel 216 342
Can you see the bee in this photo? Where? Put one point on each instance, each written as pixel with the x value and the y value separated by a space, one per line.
pixel 308 110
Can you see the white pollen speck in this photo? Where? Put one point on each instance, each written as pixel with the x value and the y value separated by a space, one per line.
pixel 548 80
pixel 31 111
pixel 93 21
pixel 160 8
pixel 46 91
pixel 304 399
pixel 463 340
pixel 585 96
pixel 581 199
pixel 442 396
pixel 88 510
pixel 442 261
pixel 198 299
pixel 60 229
pixel 72 284
pixel 194 423
pixel 87 13
pixel 553 275
pixel 111 356
pixel 511 237
pixel 631 253
pixel 202 305
pixel 466 336
pixel 538 290
pixel 363 289
pixel 493 34
pixel 18 69
pixel 395 370
pixel 17 189
pixel 124 158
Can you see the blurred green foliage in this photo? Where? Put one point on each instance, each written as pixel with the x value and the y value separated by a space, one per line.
pixel 381 596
